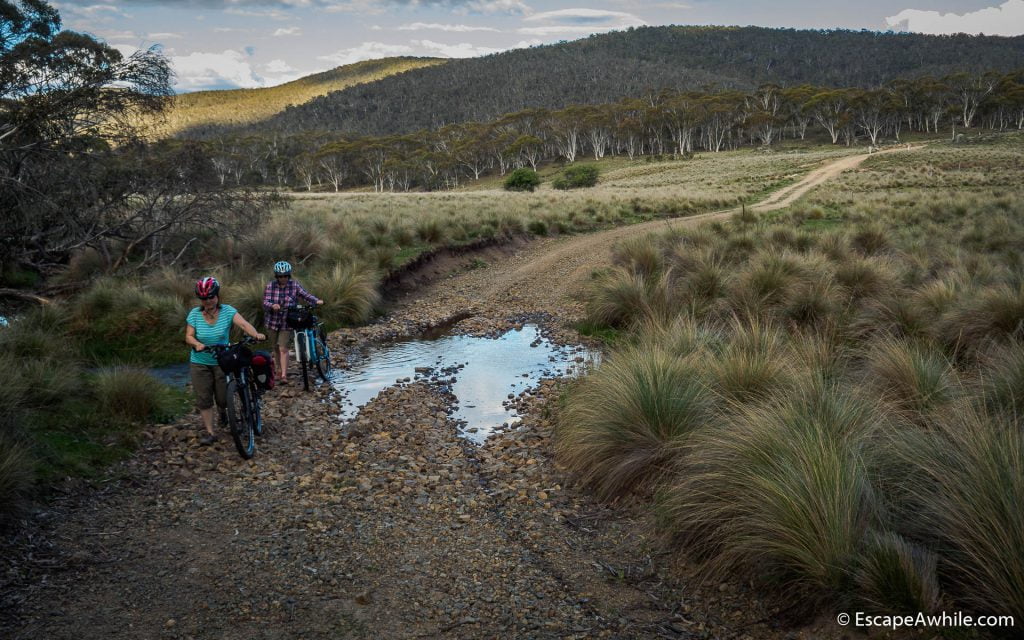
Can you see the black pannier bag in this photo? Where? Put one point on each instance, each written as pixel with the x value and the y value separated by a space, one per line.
pixel 299 318
pixel 234 358
pixel 263 369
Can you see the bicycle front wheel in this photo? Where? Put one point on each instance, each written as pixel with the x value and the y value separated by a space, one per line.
pixel 322 355
pixel 302 348
pixel 257 413
pixel 240 419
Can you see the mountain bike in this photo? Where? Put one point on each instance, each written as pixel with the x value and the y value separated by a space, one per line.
pixel 311 348
pixel 244 393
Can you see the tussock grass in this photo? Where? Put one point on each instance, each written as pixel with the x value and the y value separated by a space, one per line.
pixel 897 577
pixel 623 423
pixel 752 365
pixel 1001 385
pixel 911 376
pixel 642 256
pixel 16 479
pixel 994 313
pixel 865 442
pixel 349 292
pixel 621 297
pixel 782 490
pixel 127 393
pixel 965 485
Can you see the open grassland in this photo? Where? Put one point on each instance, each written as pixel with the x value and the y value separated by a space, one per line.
pixel 828 399
pixel 202 109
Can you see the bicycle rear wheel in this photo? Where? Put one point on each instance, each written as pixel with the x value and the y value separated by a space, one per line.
pixel 302 353
pixel 240 419
pixel 322 354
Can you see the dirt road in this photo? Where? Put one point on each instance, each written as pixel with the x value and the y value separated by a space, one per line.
pixel 545 275
pixel 394 527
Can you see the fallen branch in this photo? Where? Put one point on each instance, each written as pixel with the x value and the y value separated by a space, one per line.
pixel 24 295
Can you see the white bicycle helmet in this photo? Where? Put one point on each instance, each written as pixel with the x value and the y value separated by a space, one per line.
pixel 282 268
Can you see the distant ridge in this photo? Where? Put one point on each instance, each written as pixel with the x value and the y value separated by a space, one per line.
pixel 202 109
pixel 611 66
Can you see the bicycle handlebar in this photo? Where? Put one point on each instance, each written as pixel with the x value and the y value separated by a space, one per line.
pixel 215 348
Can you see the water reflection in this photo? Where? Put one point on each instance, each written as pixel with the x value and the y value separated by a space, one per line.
pixel 480 372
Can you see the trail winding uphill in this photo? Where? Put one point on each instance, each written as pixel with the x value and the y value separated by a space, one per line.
pixel 393 527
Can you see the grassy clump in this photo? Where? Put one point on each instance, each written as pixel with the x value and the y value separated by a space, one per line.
pixel 782 489
pixel 895 576
pixel 127 393
pixel 965 494
pixel 622 424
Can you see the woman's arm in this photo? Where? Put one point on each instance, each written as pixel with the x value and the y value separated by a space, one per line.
pixel 247 328
pixel 309 297
pixel 190 338
pixel 268 299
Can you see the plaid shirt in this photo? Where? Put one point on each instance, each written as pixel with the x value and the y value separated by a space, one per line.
pixel 286 296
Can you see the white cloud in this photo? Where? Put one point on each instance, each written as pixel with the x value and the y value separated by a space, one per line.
pixel 278 66
pixel 508 7
pixel 125 49
pixel 366 51
pixel 289 31
pixel 225 70
pixel 581 16
pixel 460 50
pixel 579 22
pixel 1006 19
pixel 568 30
pixel 165 36
pixel 459 28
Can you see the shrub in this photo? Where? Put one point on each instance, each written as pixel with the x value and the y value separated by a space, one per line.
pixel 522 179
pixel 781 490
pixel 576 177
pixel 623 424
pixel 130 394
pixel 537 227
pixel 246 296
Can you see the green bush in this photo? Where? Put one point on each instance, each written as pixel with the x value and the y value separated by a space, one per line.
pixel 576 177
pixel 522 179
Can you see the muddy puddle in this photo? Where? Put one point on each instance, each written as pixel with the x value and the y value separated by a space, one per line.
pixel 482 373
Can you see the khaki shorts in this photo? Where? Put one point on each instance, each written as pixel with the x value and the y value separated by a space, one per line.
pixel 280 337
pixel 209 384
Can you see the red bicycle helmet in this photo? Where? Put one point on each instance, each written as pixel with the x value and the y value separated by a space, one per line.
pixel 207 287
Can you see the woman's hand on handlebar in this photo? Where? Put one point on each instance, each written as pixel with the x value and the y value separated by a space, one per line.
pixel 260 336
pixel 199 347
pixel 319 303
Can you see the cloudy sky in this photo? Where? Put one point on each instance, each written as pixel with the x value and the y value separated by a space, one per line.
pixel 219 44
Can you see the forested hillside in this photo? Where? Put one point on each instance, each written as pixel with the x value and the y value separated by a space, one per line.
pixel 244 106
pixel 608 67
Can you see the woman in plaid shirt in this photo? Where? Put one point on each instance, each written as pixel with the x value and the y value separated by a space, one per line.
pixel 281 293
